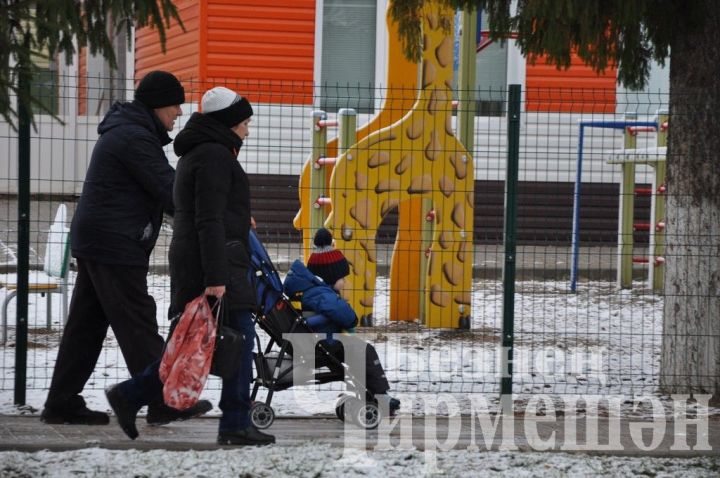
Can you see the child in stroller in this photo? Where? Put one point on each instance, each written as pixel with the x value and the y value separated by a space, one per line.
pixel 329 314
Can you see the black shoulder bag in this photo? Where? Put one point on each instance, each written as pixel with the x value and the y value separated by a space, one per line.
pixel 228 347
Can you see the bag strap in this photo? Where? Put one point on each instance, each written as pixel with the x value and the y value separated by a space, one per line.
pixel 218 311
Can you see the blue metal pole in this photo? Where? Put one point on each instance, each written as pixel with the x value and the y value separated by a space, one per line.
pixel 576 211
pixel 575 247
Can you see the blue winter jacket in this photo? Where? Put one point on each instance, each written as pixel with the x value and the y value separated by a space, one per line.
pixel 334 314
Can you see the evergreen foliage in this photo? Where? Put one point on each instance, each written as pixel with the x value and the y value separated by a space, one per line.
pixel 627 34
pixel 33 32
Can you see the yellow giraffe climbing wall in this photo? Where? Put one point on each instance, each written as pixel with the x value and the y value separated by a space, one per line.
pixel 400 91
pixel 416 157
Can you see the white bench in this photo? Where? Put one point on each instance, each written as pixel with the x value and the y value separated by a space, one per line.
pixel 52 279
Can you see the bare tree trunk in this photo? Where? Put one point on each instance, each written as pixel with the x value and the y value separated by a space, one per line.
pixel 690 361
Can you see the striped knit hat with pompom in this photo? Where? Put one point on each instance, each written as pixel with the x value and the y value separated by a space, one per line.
pixel 327 262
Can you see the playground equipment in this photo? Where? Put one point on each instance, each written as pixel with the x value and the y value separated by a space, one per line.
pixel 628 158
pixel 414 165
pixel 399 98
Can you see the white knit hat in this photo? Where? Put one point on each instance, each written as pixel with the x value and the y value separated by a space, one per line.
pixel 218 98
pixel 226 106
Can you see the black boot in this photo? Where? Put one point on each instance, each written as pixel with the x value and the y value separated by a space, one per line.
pixel 125 411
pixel 385 400
pixel 161 414
pixel 394 406
pixel 75 412
pixel 246 436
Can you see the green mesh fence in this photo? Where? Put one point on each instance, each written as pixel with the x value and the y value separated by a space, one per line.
pixel 576 331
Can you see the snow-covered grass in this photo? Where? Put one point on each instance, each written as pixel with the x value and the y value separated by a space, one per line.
pixel 318 460
pixel 598 341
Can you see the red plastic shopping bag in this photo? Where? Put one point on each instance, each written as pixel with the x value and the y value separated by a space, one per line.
pixel 185 364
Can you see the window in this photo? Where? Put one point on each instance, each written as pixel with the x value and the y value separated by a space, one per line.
pixel 347 78
pixel 45 88
pixel 490 74
pixel 649 100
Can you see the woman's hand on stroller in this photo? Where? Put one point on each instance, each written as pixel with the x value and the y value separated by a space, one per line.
pixel 216 291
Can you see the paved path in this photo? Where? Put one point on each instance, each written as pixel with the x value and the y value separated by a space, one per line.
pixel 25 433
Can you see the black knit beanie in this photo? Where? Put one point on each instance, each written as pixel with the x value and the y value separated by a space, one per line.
pixel 326 262
pixel 158 89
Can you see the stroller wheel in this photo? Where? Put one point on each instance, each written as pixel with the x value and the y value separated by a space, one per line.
pixel 340 407
pixel 366 415
pixel 262 415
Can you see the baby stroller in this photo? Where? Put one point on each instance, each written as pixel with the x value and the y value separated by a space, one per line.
pixel 276 315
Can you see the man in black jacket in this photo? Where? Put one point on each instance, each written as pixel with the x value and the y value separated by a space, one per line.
pixel 209 255
pixel 127 188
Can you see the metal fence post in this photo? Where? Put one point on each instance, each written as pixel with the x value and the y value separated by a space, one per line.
pixel 23 250
pixel 510 227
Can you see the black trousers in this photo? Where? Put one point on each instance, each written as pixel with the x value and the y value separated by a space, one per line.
pixel 375 380
pixel 104 295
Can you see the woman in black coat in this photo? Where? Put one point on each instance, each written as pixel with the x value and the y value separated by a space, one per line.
pixel 209 254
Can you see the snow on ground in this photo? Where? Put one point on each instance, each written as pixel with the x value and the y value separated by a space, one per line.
pixel 317 460
pixel 598 341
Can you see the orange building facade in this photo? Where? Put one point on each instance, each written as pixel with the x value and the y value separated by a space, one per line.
pixel 268 48
pixel 578 89
pixel 266 44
